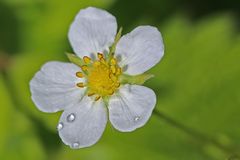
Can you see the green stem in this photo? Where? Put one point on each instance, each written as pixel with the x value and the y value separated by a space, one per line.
pixel 202 138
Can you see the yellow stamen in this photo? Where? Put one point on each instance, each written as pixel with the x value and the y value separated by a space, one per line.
pixel 102 60
pixel 100 55
pixel 117 84
pixel 84 68
pixel 90 94
pixel 113 69
pixel 79 74
pixel 102 76
pixel 111 92
pixel 81 85
pixel 97 98
pixel 119 71
pixel 97 63
pixel 113 77
pixel 86 59
pixel 113 61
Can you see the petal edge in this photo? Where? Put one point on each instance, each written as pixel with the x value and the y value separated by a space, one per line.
pixel 132 108
pixel 88 125
pixel 140 49
pixel 93 30
pixel 53 88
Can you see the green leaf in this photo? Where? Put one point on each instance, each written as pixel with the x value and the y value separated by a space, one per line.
pixel 197 79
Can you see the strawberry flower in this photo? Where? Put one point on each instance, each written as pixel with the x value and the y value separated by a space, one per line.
pixel 102 81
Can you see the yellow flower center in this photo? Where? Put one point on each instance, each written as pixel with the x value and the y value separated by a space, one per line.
pixel 102 76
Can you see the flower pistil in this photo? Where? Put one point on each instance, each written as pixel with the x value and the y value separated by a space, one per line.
pixel 102 76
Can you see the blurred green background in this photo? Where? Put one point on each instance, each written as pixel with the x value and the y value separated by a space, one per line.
pixel 197 81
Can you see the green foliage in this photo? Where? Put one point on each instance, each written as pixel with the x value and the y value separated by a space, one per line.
pixel 196 82
pixel 17 135
pixel 198 79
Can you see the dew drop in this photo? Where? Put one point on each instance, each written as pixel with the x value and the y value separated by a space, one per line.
pixel 71 117
pixel 75 145
pixel 136 118
pixel 60 126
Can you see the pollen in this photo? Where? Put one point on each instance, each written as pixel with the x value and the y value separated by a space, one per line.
pixel 90 94
pixel 84 68
pixel 102 78
pixel 97 98
pixel 113 69
pixel 100 56
pixel 81 85
pixel 79 74
pixel 86 59
pixel 113 61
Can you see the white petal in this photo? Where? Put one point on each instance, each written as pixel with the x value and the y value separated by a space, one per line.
pixel 54 88
pixel 140 49
pixel 92 31
pixel 90 118
pixel 131 108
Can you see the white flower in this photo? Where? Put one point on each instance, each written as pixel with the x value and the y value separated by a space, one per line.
pixel 89 92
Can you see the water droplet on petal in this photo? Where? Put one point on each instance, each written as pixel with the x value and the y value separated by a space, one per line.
pixel 75 145
pixel 60 126
pixel 136 118
pixel 71 117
